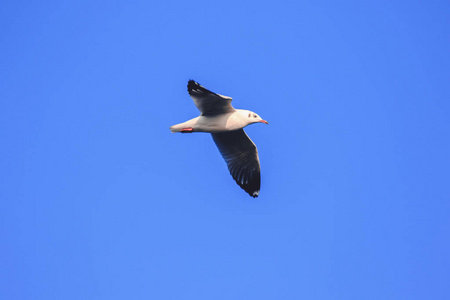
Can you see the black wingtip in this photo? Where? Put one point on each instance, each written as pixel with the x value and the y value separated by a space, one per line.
pixel 192 84
pixel 251 187
pixel 194 88
pixel 253 193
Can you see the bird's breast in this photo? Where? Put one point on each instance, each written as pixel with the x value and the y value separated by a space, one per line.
pixel 218 123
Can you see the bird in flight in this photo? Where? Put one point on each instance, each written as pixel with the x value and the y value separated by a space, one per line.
pixel 225 123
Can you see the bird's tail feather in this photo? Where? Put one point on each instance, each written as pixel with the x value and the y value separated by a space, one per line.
pixel 176 128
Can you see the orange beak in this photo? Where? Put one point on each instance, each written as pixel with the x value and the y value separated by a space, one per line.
pixel 264 121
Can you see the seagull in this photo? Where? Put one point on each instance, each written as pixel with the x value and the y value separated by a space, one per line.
pixel 225 123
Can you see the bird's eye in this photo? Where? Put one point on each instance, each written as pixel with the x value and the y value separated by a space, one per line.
pixel 254 116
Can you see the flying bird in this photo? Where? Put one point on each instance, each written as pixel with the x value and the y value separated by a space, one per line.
pixel 225 123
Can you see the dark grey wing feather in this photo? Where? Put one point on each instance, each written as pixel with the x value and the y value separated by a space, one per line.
pixel 241 156
pixel 207 102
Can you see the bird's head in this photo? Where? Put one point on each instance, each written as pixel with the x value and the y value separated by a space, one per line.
pixel 254 118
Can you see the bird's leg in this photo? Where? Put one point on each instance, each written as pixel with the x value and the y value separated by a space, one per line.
pixel 187 130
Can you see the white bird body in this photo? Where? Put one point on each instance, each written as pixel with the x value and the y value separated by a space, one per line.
pixel 225 123
pixel 218 123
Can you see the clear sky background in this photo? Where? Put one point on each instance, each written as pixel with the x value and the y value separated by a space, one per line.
pixel 98 200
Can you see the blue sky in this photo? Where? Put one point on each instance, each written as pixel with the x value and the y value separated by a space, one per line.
pixel 100 201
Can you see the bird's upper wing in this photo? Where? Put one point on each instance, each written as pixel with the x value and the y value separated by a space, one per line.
pixel 241 156
pixel 207 102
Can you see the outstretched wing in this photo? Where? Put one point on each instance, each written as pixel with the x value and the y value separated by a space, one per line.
pixel 207 102
pixel 241 156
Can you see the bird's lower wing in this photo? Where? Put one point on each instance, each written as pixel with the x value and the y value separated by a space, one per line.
pixel 241 156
